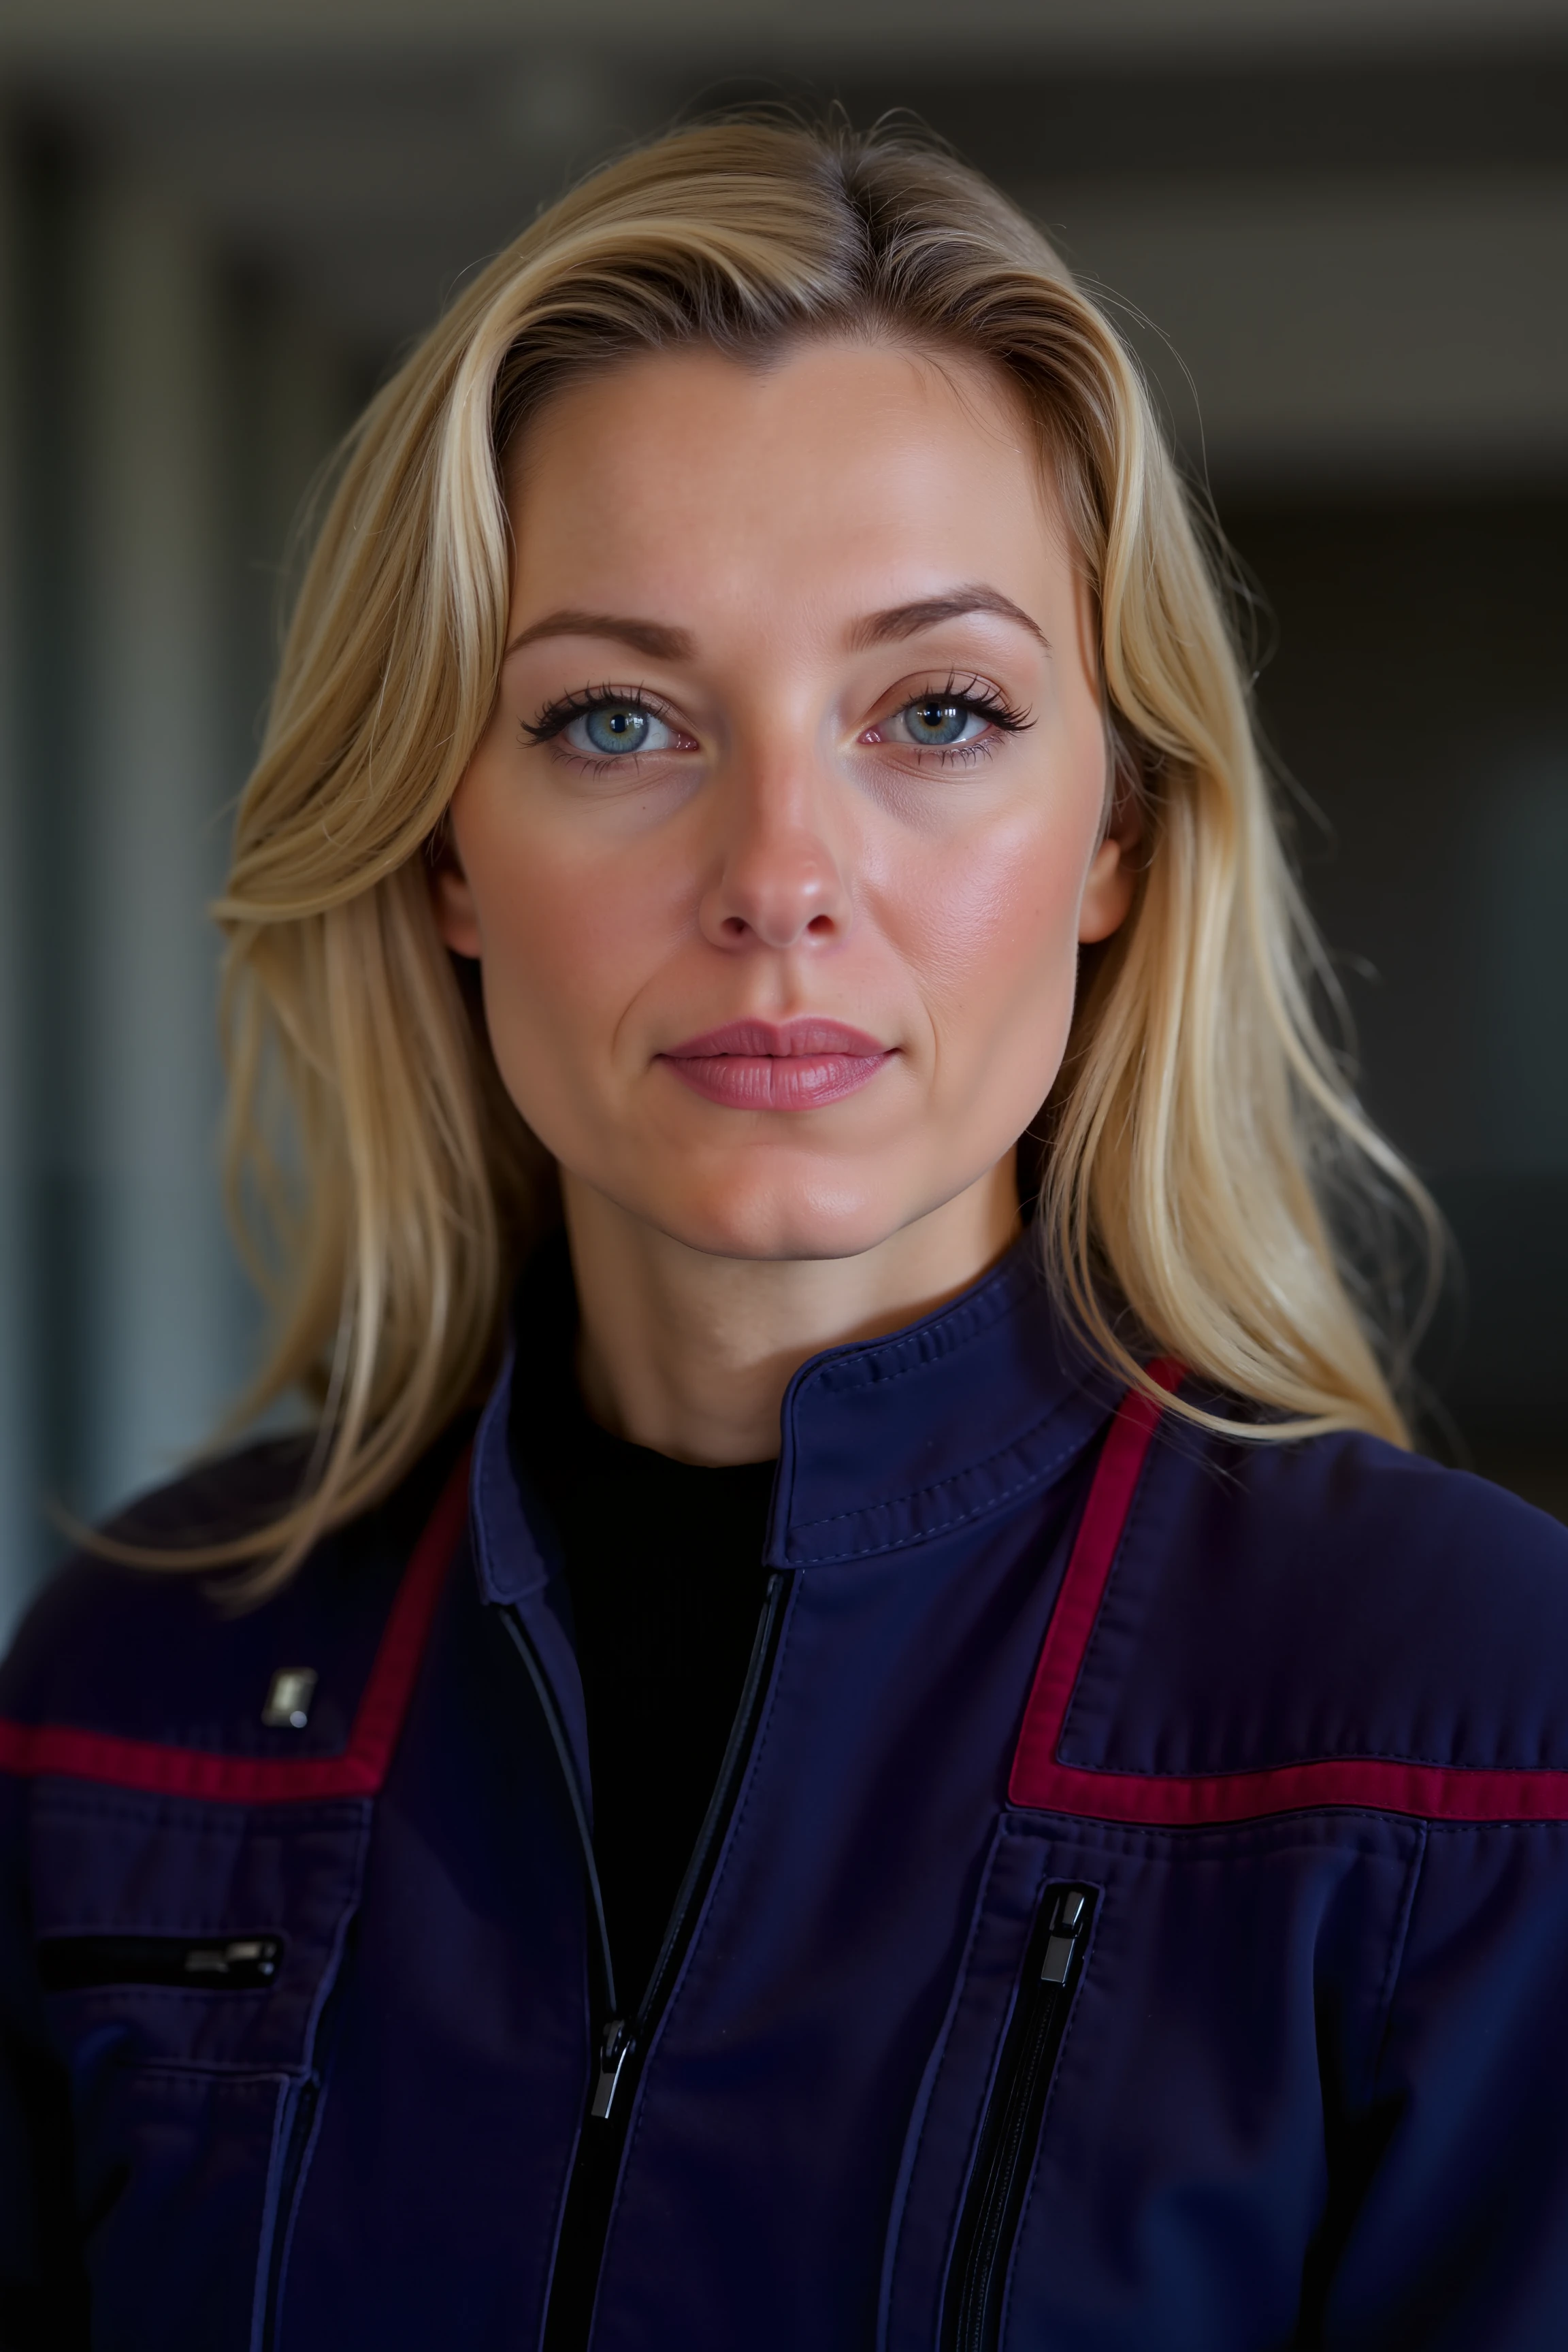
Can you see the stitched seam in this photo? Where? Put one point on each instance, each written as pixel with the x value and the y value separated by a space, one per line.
pixel 1439 1826
pixel 1264 1827
pixel 126 2000
pixel 1136 1508
pixel 1301 1763
pixel 961 1981
pixel 940 1526
pixel 938 1343
pixel 194 2069
pixel 970 1470
pixel 208 1817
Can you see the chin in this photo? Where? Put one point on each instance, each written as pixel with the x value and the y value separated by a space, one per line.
pixel 779 1221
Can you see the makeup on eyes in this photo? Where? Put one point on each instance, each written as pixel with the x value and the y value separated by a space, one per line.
pixel 927 713
pixel 616 723
pixel 587 703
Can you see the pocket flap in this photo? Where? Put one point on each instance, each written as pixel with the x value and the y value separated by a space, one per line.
pixel 206 1934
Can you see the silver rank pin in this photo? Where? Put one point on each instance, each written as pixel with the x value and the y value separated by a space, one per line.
pixel 289 1696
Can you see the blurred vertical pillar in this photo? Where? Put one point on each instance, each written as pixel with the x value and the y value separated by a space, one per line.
pixel 160 419
pixel 19 1545
pixel 47 694
pixel 159 1335
pixel 289 397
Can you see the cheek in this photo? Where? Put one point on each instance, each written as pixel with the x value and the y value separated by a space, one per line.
pixel 565 947
pixel 568 942
pixel 994 931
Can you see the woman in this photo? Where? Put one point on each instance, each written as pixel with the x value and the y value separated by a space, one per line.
pixel 929 1774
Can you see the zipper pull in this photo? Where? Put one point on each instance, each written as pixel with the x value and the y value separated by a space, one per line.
pixel 1065 1929
pixel 614 2052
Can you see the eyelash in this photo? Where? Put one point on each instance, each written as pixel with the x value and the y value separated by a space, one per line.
pixel 978 699
pixel 556 717
pixel 981 701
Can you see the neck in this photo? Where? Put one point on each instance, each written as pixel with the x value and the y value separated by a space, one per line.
pixel 690 1354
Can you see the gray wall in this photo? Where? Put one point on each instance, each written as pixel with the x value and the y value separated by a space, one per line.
pixel 1418 696
pixel 164 412
pixel 18 1541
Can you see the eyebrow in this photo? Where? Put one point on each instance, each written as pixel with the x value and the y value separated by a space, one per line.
pixel 661 642
pixel 908 620
pixel 653 638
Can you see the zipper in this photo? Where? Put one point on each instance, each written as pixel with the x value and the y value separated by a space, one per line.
pixel 1010 2131
pixel 194 1963
pixel 613 2051
pixel 623 2040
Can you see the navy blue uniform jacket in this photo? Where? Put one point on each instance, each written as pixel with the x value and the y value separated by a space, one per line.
pixel 1134 1913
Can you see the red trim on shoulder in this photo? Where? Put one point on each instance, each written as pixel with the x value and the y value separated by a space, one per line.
pixel 357 1770
pixel 1170 1800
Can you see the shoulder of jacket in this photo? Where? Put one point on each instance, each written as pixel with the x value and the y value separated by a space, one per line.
pixel 170 1655
pixel 1275 1605
pixel 1349 1505
pixel 1351 1473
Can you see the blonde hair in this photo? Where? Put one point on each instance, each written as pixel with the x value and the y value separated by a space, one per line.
pixel 1201 1141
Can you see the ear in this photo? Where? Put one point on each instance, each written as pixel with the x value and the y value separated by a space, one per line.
pixel 452 896
pixel 1113 880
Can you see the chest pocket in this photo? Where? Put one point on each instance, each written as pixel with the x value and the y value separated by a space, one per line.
pixel 976 2135
pixel 186 1956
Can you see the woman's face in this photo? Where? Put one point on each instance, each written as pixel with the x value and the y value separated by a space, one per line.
pixel 779 846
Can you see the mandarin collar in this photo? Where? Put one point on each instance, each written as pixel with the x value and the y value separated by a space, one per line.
pixel 885 1444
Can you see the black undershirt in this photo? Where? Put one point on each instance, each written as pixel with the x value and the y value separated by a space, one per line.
pixel 663 1565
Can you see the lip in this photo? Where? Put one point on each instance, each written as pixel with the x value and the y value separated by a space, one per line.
pixel 765 1065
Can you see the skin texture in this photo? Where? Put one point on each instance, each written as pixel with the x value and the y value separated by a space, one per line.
pixel 779 850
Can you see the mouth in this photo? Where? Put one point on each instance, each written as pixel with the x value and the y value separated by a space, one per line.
pixel 792 1065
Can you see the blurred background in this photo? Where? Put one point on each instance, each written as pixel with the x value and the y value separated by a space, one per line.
pixel 1337 231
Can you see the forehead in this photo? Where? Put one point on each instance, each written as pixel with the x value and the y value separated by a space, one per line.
pixel 845 460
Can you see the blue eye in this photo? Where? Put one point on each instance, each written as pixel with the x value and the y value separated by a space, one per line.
pixel 937 721
pixel 611 730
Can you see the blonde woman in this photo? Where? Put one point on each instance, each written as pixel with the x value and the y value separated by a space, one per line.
pixel 857 1726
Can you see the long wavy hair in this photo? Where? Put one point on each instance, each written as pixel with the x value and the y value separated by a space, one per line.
pixel 1207 1181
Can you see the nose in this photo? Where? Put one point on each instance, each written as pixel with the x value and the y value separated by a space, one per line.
pixel 780 880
